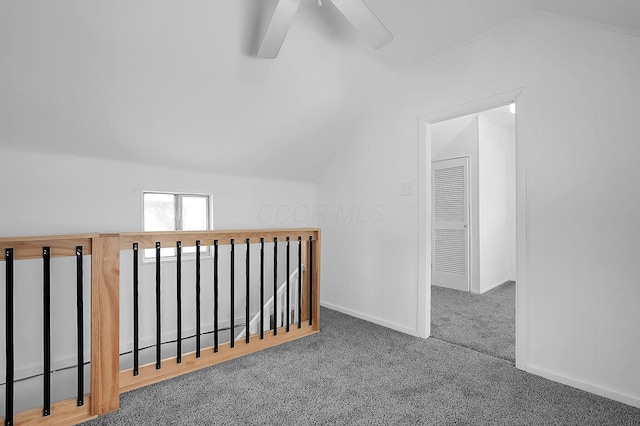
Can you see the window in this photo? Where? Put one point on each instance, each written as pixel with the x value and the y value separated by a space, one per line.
pixel 164 211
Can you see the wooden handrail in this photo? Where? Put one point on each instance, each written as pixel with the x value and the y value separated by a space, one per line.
pixel 61 245
pixel 107 381
pixel 189 238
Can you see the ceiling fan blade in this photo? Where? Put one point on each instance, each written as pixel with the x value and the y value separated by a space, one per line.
pixel 365 21
pixel 278 27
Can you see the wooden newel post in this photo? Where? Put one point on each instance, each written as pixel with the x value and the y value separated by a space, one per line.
pixel 311 270
pixel 105 316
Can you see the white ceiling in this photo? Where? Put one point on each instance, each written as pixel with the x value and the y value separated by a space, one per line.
pixel 178 84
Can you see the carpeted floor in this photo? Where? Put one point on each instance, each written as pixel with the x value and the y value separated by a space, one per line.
pixel 355 372
pixel 482 322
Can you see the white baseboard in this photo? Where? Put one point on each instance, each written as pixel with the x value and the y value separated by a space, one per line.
pixel 491 287
pixel 375 320
pixel 634 401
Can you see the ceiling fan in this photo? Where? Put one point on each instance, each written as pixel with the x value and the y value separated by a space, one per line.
pixel 355 11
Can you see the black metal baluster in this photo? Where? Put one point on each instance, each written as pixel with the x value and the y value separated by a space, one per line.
pixel 275 286
pixel 158 330
pixel 232 313
pixel 261 288
pixel 215 296
pixel 136 331
pixel 179 302
pixel 310 280
pixel 8 410
pixel 198 299
pixel 80 325
pixel 46 305
pixel 288 311
pixel 299 282
pixel 246 296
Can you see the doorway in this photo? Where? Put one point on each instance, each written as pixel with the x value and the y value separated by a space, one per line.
pixel 485 173
pixel 516 249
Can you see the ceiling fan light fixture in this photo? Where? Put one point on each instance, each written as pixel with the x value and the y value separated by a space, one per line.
pixel 278 27
pixel 356 12
pixel 365 21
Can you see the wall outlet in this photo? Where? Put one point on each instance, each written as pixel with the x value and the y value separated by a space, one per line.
pixel 406 189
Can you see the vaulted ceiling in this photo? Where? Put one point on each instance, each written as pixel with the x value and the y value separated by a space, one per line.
pixel 177 83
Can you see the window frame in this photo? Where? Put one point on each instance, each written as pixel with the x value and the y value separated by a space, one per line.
pixel 178 223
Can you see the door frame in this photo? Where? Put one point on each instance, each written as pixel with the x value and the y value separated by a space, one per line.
pixel 424 210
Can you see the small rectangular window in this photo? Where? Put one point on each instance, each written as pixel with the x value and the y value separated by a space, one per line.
pixel 164 211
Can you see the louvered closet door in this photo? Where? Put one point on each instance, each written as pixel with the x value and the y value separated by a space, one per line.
pixel 450 224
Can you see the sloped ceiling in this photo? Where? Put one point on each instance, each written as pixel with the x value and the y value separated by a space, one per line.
pixel 177 83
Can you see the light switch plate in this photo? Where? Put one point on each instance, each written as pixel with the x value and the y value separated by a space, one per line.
pixel 406 189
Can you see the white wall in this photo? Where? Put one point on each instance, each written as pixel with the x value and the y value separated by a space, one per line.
pixel 494 232
pixel 55 194
pixel 453 138
pixel 47 194
pixel 578 171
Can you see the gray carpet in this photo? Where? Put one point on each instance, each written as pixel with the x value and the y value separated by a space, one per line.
pixel 482 322
pixel 355 372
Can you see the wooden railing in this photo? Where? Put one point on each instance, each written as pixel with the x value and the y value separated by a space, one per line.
pixel 107 381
